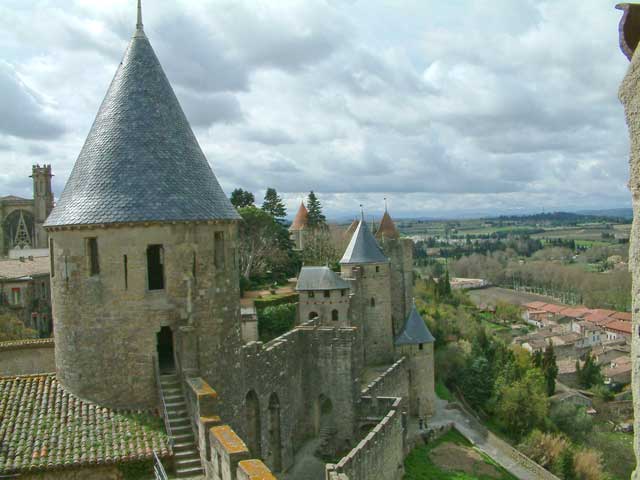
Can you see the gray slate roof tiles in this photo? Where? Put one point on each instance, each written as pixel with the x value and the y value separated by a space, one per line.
pixel 141 161
pixel 415 330
pixel 363 247
pixel 320 278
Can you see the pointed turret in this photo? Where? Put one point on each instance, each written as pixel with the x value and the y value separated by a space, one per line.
pixel 301 219
pixel 387 228
pixel 415 330
pixel 363 247
pixel 141 161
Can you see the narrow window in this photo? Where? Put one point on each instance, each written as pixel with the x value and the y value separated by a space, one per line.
pixel 16 300
pixel 343 293
pixel 155 267
pixel 194 269
pixel 125 264
pixel 312 294
pixel 52 265
pixel 335 315
pixel 92 256
pixel 219 249
pixel 420 346
pixel 377 269
pixel 373 302
pixel 327 294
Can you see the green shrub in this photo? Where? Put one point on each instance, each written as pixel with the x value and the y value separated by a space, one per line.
pixel 275 320
pixel 262 304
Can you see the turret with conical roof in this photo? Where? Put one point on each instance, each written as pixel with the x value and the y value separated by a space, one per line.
pixel 416 343
pixel 297 230
pixel 369 270
pixel 142 243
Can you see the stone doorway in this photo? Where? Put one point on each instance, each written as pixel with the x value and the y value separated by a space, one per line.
pixel 166 360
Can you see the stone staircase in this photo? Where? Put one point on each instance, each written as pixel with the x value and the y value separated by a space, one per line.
pixel 186 455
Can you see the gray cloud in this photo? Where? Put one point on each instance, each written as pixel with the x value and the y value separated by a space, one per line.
pixel 24 113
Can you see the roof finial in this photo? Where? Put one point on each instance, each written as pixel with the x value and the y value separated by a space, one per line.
pixel 362 213
pixel 139 24
pixel 385 205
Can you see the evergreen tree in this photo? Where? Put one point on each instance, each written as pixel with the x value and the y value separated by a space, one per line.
pixel 273 204
pixel 316 218
pixel 537 359
pixel 242 198
pixel 589 375
pixel 566 465
pixel 550 369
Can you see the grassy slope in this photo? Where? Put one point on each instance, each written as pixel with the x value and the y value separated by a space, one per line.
pixel 419 467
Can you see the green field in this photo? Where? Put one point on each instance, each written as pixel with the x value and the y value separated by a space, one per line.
pixel 452 457
pixel 617 451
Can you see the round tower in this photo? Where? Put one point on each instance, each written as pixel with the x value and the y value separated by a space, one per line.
pixel 416 343
pixel 42 202
pixel 144 277
pixel 369 271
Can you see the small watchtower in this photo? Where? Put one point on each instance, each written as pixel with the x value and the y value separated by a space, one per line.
pixel 416 343
pixel 144 275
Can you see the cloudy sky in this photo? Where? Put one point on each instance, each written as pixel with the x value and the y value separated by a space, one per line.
pixel 456 107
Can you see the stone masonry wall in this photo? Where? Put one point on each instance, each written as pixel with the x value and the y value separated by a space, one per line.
pixel 381 453
pixel 393 382
pixel 106 324
pixel 27 357
pixel 321 306
pixel 400 252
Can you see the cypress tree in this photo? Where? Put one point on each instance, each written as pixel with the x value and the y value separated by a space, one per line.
pixel 316 218
pixel 273 204
pixel 550 369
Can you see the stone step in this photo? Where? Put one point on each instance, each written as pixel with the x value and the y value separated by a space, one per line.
pixel 184 437
pixel 193 453
pixel 177 421
pixel 188 462
pixel 174 397
pixel 180 429
pixel 175 414
pixel 175 405
pixel 189 472
pixel 171 388
pixel 182 446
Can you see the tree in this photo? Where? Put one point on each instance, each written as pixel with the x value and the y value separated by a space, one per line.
pixel 589 375
pixel 523 405
pixel 11 328
pixel 477 382
pixel 572 420
pixel 273 204
pixel 242 198
pixel 316 218
pixel 319 248
pixel 550 369
pixel 264 244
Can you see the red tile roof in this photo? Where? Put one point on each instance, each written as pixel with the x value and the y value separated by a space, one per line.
pixel 387 228
pixel 620 326
pixel 534 305
pixel 301 220
pixel 603 312
pixel 575 312
pixel 598 319
pixel 43 427
pixel 624 316
pixel 553 308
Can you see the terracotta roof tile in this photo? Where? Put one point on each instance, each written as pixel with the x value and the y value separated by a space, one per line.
pixel 535 305
pixel 301 220
pixel 553 308
pixel 624 316
pixel 43 427
pixel 387 228
pixel 620 326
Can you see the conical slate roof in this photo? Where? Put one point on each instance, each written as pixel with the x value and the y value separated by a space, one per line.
pixel 387 228
pixel 141 161
pixel 363 248
pixel 415 330
pixel 301 220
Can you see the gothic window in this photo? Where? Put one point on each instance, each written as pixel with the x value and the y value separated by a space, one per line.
pixel 377 269
pixel 373 302
pixel 327 294
pixel 218 246
pixel 343 293
pixel 155 267
pixel 335 315
pixel 92 256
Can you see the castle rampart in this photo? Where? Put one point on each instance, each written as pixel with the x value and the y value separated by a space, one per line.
pixel 27 357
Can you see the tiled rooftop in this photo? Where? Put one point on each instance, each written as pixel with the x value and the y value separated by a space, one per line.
pixel 43 427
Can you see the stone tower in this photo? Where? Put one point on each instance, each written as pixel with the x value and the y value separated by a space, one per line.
pixel 144 272
pixel 416 343
pixel 400 252
pixel 42 202
pixel 369 271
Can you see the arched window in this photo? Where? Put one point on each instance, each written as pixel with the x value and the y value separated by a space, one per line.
pixel 312 315
pixel 373 302
pixel 335 315
pixel 253 425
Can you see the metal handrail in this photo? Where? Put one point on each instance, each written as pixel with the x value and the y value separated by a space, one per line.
pixel 158 468
pixel 163 405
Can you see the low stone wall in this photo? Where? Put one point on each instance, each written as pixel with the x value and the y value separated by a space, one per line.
pixel 109 472
pixel 380 454
pixel 393 382
pixel 27 357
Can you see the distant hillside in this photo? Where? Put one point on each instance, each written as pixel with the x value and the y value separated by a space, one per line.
pixel 566 218
pixel 612 212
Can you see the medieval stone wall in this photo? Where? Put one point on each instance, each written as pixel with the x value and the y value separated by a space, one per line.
pixel 27 357
pixel 381 453
pixel 400 252
pixel 322 306
pixel 393 382
pixel 106 324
